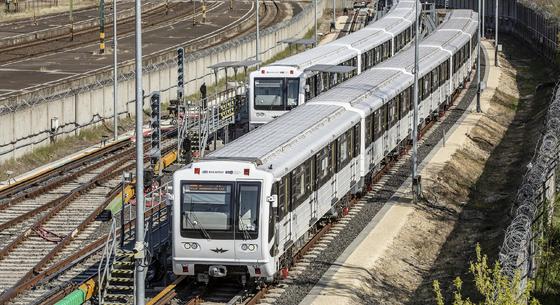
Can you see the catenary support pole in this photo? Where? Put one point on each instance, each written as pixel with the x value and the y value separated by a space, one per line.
pixel 315 9
pixel 115 75
pixel 415 186
pixel 478 61
pixel 334 12
pixel 257 42
pixel 483 10
pixel 140 272
pixel 496 20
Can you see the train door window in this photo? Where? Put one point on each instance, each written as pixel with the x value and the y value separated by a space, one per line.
pixel 323 163
pixel 301 183
pixel 356 140
pixel 384 115
pixel 283 196
pixel 427 85
pixel 420 89
pixel 248 206
pixel 272 213
pixel 378 51
pixel 403 104
pixel 344 150
pixel 393 115
pixel 369 129
pixel 435 79
pixel 364 61
pixel 377 124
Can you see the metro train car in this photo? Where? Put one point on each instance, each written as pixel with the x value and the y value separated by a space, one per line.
pixel 287 83
pixel 245 209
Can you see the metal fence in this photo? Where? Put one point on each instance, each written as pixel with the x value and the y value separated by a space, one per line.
pixel 534 202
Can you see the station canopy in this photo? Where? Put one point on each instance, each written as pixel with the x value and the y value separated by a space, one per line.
pixel 330 69
pixel 299 41
pixel 235 64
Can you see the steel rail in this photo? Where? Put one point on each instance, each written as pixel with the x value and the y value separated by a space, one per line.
pixel 93 29
pixel 24 184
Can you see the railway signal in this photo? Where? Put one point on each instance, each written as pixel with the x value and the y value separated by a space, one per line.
pixel 155 120
pixel 180 74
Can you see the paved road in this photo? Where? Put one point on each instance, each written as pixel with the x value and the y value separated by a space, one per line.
pixel 36 71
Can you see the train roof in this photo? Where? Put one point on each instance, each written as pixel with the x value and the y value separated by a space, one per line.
pixel 293 137
pixel 342 49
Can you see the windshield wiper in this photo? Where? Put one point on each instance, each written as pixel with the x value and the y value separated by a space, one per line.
pixel 196 223
pixel 242 227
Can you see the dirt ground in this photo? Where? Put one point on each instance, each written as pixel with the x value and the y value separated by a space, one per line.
pixel 470 204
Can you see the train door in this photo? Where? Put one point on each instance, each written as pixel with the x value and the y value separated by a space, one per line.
pixel 355 153
pixel 284 211
pixel 334 150
pixel 385 121
pixel 314 198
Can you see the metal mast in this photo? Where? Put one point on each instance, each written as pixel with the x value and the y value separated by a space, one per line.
pixel 415 186
pixel 257 42
pixel 115 81
pixel 496 37
pixel 478 62
pixel 140 272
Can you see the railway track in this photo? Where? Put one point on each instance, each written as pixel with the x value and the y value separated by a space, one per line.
pixel 59 220
pixel 158 15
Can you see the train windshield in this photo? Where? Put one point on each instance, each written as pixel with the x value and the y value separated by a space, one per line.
pixel 276 93
pixel 248 207
pixel 207 207
pixel 218 210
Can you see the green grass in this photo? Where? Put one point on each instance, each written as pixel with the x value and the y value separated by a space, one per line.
pixel 60 148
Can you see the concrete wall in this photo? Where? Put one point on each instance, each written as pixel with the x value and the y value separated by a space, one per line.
pixel 25 119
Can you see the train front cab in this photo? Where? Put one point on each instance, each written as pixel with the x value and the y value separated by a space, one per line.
pixel 273 91
pixel 220 221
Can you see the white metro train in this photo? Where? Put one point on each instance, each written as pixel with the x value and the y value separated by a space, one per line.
pixel 246 208
pixel 287 83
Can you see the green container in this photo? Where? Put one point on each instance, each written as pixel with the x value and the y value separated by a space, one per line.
pixel 77 297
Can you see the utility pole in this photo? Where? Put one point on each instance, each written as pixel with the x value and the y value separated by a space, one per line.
pixel 478 62
pixel 139 246
pixel 415 177
pixel 71 19
pixel 496 19
pixel 115 75
pixel 483 11
pixel 334 12
pixel 257 42
pixel 101 26
pixel 315 6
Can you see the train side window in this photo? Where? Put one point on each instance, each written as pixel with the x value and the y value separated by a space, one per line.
pixel 301 183
pixel 356 140
pixel 427 85
pixel 420 90
pixel 323 163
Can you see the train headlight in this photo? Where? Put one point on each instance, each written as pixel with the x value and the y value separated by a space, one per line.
pixel 248 247
pixel 191 246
